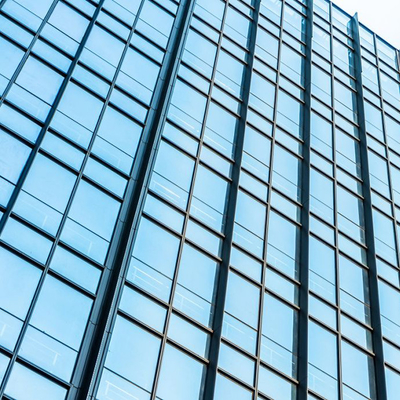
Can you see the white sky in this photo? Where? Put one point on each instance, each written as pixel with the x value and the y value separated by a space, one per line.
pixel 381 16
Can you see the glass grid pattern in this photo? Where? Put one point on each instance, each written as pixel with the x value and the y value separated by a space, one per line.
pixel 199 199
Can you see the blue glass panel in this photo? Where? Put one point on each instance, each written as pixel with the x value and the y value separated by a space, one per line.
pixel 181 376
pixel 143 308
pixel 283 241
pixel 40 80
pixel 61 312
pixel 133 353
pixel 195 290
pixel 88 209
pixel 23 382
pixel 275 386
pixel 160 252
pixel 17 284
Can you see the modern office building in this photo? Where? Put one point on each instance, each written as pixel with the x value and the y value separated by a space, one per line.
pixel 199 199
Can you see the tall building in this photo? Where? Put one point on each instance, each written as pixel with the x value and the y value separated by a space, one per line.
pixel 199 199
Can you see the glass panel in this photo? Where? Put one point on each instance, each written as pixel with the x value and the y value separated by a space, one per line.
pixel 181 376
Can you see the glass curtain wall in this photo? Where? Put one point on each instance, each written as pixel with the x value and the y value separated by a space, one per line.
pixel 158 160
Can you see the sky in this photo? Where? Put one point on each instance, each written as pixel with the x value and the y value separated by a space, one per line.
pixel 381 16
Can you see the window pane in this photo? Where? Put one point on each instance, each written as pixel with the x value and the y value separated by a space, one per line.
pixel 133 353
pixel 357 370
pixel 40 80
pixel 23 382
pixel 61 312
pixel 283 241
pixel 226 389
pixel 194 294
pixel 322 355
pixel 181 377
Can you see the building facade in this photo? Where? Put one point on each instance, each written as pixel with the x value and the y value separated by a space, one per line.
pixel 199 199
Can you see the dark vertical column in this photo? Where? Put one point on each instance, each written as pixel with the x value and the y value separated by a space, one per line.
pixel 221 289
pixel 305 216
pixel 92 358
pixel 377 340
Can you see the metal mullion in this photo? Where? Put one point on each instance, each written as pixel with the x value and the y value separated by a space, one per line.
pixel 215 341
pixel 127 225
pixel 304 291
pixel 19 188
pixel 245 277
pixel 387 159
pixel 377 339
pixel 268 207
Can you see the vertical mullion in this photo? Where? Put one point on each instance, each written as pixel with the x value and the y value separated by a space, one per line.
pixel 127 225
pixel 302 370
pixel 380 379
pixel 335 220
pixel 21 180
pixel 215 341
